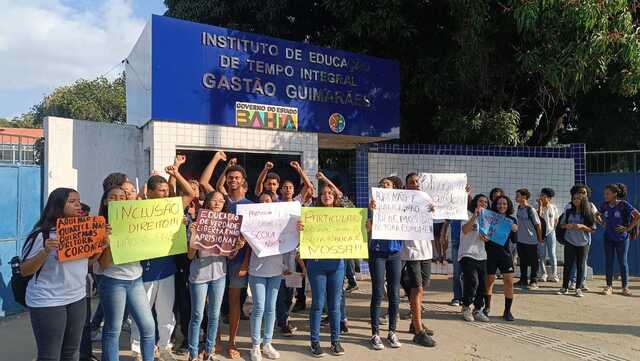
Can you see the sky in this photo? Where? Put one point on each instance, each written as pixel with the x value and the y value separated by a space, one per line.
pixel 48 43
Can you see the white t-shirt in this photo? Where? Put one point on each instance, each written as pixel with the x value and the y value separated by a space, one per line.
pixel 471 245
pixel 124 272
pixel 271 266
pixel 57 284
pixel 421 250
pixel 550 215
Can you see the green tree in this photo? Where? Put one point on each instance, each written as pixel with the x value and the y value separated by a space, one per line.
pixel 99 100
pixel 471 71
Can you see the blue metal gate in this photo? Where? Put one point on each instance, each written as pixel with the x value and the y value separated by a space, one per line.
pixel 20 206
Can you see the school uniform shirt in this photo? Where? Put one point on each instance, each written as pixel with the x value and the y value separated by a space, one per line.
pixel 57 284
pixel 232 206
pixel 550 214
pixel 124 272
pixel 158 268
pixel 574 236
pixel 207 267
pixel 612 215
pixel 271 266
pixel 471 245
pixel 526 225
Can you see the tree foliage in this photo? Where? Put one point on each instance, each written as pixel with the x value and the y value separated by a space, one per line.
pixel 505 72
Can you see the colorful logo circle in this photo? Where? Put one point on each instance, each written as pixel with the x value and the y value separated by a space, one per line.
pixel 337 122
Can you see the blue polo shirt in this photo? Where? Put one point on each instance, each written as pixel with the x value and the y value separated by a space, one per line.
pixel 231 206
pixel 618 214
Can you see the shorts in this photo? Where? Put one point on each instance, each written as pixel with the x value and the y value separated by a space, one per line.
pixel 232 276
pixel 417 274
pixel 499 259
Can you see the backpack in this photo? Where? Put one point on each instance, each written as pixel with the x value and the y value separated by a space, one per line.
pixel 543 223
pixel 633 232
pixel 19 282
pixel 561 232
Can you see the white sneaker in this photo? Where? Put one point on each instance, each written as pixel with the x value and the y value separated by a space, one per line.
pixel 270 352
pixel 256 355
pixel 466 314
pixel 479 316
pixel 579 293
pixel 542 278
pixel 96 334
pixel 554 279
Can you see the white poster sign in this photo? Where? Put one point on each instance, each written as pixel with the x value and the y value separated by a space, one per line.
pixel 402 214
pixel 448 193
pixel 270 228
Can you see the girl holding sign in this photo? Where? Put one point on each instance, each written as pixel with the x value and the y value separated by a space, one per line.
pixel 501 258
pixel 121 285
pixel 473 260
pixel 207 281
pixel 56 292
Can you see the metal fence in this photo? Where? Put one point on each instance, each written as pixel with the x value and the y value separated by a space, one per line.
pixel 623 161
pixel 18 149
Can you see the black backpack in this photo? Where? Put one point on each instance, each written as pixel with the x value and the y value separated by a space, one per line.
pixel 543 222
pixel 560 231
pixel 18 281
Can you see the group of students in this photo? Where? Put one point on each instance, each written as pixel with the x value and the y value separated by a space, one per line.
pixel 201 286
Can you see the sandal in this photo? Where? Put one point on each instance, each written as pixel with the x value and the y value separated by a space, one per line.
pixel 233 352
pixel 626 292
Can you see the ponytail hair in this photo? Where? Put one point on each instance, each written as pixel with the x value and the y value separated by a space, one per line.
pixel 619 189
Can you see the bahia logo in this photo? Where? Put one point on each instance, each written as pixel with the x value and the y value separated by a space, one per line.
pixel 337 122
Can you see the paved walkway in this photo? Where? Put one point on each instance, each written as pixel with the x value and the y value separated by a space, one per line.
pixel 548 327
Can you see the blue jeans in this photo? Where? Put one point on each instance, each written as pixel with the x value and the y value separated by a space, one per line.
pixel 457 273
pixel 619 249
pixel 283 304
pixel 200 292
pixel 115 294
pixel 264 291
pixel 381 265
pixel 326 277
pixel 584 263
pixel 548 249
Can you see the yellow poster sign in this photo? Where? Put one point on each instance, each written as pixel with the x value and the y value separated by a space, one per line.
pixel 334 233
pixel 146 229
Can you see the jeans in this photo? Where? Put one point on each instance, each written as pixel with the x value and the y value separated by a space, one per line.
pixel 326 278
pixel 212 291
pixel 528 254
pixel 474 274
pixel 584 262
pixel 573 255
pixel 548 249
pixel 457 273
pixel 381 264
pixel 283 304
pixel 85 344
pixel 58 330
pixel 620 249
pixel 115 295
pixel 265 293
pixel 182 306
pixel 350 273
pixel 160 296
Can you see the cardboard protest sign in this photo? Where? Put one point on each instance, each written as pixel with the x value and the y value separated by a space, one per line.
pixel 216 233
pixel 448 193
pixel 80 237
pixel 270 228
pixel 494 226
pixel 401 214
pixel 146 229
pixel 334 233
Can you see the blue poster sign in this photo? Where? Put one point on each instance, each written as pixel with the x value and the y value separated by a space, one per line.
pixel 187 72
pixel 495 226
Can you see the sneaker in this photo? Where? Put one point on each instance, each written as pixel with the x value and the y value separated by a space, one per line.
pixel 554 279
pixel 429 331
pixel 325 321
pixel 507 316
pixel 466 314
pixel 270 352
pixel 165 355
pixel 542 278
pixel 607 291
pixel 423 339
pixel 336 349
pixel 486 311
pixel 563 291
pixel 394 342
pixel 256 355
pixel 209 357
pixel 288 330
pixel 316 350
pixel 572 285
pixel 520 284
pixel 383 320
pixel 455 303
pixel 533 286
pixel 350 289
pixel 479 316
pixel 376 343
pixel 579 293
pixel 344 328
pixel 96 334
pixel 585 289
pixel 626 292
